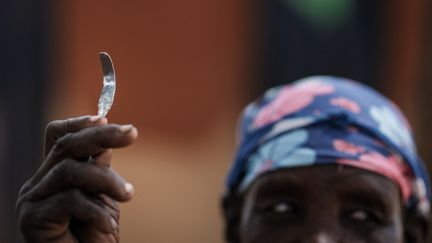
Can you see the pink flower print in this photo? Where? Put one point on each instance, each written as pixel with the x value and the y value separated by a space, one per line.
pixel 346 104
pixel 391 167
pixel 291 99
pixel 349 148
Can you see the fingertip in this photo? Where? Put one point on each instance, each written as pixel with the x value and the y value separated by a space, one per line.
pixel 98 120
pixel 125 193
pixel 130 130
pixel 129 190
pixel 107 223
pixel 94 118
pixel 134 133
pixel 104 120
pixel 125 128
pixel 114 224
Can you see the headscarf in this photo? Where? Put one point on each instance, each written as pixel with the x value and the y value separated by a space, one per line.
pixel 327 120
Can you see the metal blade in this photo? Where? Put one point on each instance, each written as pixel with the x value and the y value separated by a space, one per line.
pixel 109 85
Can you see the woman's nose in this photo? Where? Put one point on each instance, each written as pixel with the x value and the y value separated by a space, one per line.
pixel 321 237
pixel 324 228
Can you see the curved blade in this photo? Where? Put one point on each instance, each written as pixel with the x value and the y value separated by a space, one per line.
pixel 109 85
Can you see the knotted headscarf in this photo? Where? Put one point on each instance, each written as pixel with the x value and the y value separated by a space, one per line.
pixel 328 120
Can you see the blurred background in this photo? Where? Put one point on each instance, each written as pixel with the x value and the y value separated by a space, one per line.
pixel 184 71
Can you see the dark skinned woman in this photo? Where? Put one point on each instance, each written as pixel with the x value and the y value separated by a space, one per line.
pixel 324 160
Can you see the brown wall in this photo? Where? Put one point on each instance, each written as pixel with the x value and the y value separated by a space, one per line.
pixel 180 68
pixel 179 63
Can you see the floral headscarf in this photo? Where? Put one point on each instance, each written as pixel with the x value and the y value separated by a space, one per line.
pixel 328 120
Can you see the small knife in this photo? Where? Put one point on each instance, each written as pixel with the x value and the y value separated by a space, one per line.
pixel 109 85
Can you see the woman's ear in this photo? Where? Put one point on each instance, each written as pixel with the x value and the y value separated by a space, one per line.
pixel 416 227
pixel 231 206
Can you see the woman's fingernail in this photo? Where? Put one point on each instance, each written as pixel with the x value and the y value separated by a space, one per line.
pixel 114 224
pixel 94 118
pixel 129 188
pixel 126 128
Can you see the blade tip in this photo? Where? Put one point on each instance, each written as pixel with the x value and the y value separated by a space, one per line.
pixel 103 53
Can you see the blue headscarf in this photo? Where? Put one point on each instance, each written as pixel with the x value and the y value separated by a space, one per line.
pixel 329 120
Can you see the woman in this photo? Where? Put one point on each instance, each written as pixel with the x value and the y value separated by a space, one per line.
pixel 323 160
pixel 326 160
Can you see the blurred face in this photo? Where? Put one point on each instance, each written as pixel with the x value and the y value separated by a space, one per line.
pixel 322 204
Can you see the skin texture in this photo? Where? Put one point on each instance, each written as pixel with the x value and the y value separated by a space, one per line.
pixel 68 199
pixel 322 204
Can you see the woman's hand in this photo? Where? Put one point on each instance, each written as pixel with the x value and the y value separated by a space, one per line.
pixel 68 199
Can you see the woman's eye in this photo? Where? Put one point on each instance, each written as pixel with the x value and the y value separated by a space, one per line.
pixel 282 208
pixel 364 220
pixel 360 215
pixel 279 208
